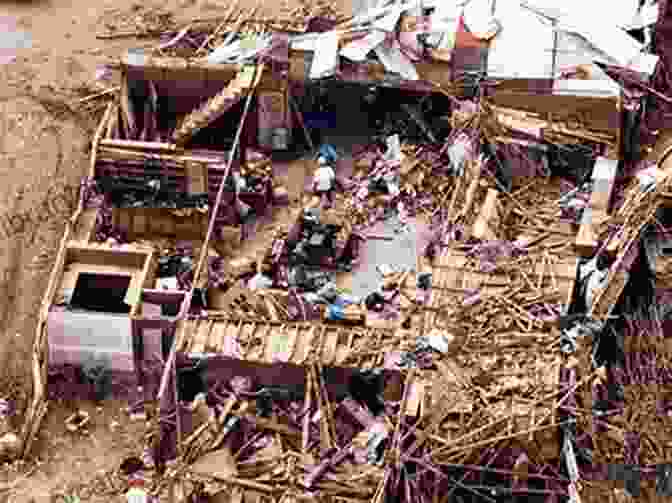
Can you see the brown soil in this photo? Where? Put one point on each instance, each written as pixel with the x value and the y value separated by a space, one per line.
pixel 43 149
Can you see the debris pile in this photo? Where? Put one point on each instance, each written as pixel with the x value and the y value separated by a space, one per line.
pixel 298 442
pixel 417 179
pixel 491 368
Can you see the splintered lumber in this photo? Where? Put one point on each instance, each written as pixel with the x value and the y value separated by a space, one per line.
pixel 218 105
pixel 126 106
pixel 586 238
pixel 175 69
pixel 604 175
pixel 488 218
pixel 297 343
pixel 594 114
pixel 138 145
pixel 606 298
pixel 97 137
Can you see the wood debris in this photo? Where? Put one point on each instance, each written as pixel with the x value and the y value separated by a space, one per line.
pixel 307 398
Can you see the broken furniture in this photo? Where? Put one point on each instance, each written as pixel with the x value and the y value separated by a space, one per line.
pixel 317 238
pixel 189 181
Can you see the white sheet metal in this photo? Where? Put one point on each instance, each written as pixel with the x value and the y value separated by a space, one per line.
pixel 573 50
pixel 524 46
pixel 325 59
pixel 358 49
pixel 618 14
pixel 592 87
pixel 395 62
pixel 478 15
pixel 607 37
pixel 644 63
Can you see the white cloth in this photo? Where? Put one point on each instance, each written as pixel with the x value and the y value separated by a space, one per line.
pixel 324 178
pixel 260 281
pixel 136 495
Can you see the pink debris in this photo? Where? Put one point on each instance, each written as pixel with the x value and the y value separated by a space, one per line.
pixel 327 463
pixel 357 412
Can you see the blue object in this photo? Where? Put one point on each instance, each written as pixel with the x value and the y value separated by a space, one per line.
pixel 329 153
pixel 335 312
pixel 319 120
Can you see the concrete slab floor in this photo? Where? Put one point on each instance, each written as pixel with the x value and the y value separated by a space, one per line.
pixel 400 252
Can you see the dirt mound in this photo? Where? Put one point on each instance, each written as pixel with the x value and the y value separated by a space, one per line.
pixel 42 159
pixel 24 125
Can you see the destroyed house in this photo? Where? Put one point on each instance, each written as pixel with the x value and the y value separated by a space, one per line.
pixel 494 364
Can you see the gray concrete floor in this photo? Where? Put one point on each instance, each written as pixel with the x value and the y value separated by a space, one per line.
pixel 401 253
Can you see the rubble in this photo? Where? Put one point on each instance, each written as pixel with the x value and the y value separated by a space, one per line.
pixel 469 375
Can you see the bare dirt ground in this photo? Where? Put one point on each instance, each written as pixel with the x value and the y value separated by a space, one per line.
pixel 44 147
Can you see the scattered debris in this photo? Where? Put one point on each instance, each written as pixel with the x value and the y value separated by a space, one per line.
pixel 77 421
pixel 470 374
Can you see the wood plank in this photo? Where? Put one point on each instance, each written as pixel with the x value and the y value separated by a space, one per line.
pixel 140 222
pixel 598 114
pixel 451 273
pixel 142 280
pixel 416 396
pixel 204 115
pixel 585 243
pixel 183 343
pixel 305 343
pixel 215 338
pixel 245 332
pixel 200 335
pixel 487 222
pixel 604 177
pixel 98 136
pixel 259 350
pixel 85 229
pixel 251 331
pixel 125 221
pixel 345 342
pixel 197 177
pixel 276 343
pixel 171 69
pixel 565 268
pixel 292 339
pixel 127 112
pixel 111 125
pixel 330 343
pixel 231 335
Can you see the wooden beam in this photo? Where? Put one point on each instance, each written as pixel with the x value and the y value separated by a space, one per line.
pixel 197 177
pixel 605 299
pixel 140 145
pixel 126 107
pixel 173 69
pixel 97 137
pixel 589 112
pixel 585 244
pixel 488 218
pixel 604 176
